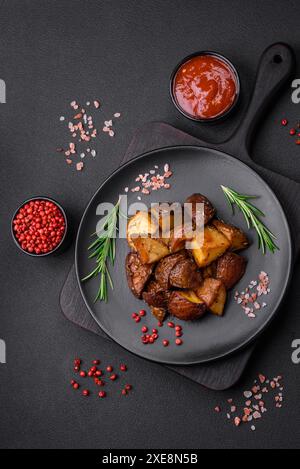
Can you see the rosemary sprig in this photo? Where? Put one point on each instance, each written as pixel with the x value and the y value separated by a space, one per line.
pixel 103 250
pixel 251 213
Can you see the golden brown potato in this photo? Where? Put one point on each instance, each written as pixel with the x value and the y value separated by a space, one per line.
pixel 140 226
pixel 163 216
pixel 214 245
pixel 209 210
pixel 230 269
pixel 159 313
pixel 213 293
pixel 186 306
pixel 150 250
pixel 178 238
pixel 218 306
pixel 238 239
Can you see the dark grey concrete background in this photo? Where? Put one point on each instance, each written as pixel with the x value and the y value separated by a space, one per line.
pixel 122 52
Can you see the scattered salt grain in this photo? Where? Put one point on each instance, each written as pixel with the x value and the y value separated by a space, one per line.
pixel 79 166
pixel 83 128
pixel 250 411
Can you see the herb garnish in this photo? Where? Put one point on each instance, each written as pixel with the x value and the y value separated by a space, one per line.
pixel 251 213
pixel 104 251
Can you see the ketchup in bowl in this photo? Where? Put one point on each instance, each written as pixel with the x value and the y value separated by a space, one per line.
pixel 205 87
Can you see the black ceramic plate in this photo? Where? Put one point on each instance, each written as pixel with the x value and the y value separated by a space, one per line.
pixel 196 169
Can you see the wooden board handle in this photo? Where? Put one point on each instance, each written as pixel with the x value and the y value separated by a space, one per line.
pixel 275 69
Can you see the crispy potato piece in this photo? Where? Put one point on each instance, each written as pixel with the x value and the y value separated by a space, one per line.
pixel 218 306
pixel 214 245
pixel 208 291
pixel 238 239
pixel 156 296
pixel 209 210
pixel 178 238
pixel 137 274
pixel 185 274
pixel 186 306
pixel 165 266
pixel 163 217
pixel 140 226
pixel 213 293
pixel 230 269
pixel 159 313
pixel 150 250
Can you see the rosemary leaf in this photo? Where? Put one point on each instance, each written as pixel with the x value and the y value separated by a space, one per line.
pixel 103 250
pixel 251 214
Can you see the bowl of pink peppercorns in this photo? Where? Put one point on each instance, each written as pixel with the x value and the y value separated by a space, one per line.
pixel 39 227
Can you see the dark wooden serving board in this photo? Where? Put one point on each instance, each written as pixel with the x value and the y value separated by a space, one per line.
pixel 273 73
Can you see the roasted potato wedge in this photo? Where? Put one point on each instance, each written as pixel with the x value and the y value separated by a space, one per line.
pixel 214 245
pixel 165 266
pixel 186 306
pixel 209 210
pixel 150 250
pixel 164 216
pixel 137 274
pixel 218 306
pixel 185 274
pixel 213 293
pixel 178 238
pixel 159 313
pixel 230 269
pixel 156 296
pixel 238 239
pixel 140 226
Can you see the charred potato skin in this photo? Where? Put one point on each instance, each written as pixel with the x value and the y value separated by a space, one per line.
pixel 159 313
pixel 238 239
pixel 180 307
pixel 185 275
pixel 165 266
pixel 137 274
pixel 209 210
pixel 230 269
pixel 156 296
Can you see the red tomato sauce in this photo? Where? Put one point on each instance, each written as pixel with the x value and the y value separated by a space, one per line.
pixel 205 87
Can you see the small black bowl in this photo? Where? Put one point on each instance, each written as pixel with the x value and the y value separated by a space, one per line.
pixel 238 87
pixel 60 247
